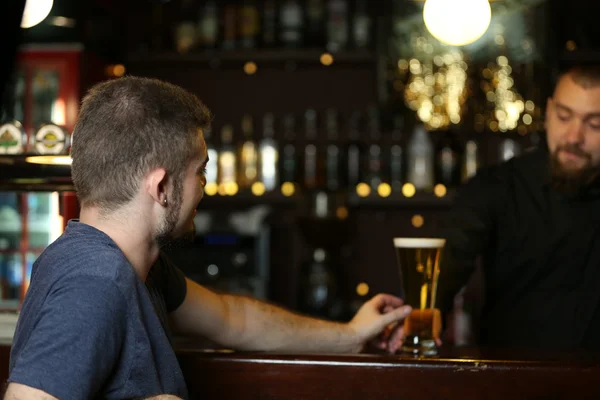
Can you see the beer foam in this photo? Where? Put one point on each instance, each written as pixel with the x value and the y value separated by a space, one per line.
pixel 413 243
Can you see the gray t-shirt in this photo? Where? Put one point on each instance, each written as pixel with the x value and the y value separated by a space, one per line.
pixel 89 327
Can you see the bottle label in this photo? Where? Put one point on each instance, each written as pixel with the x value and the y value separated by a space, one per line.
pixel 11 139
pixel 51 139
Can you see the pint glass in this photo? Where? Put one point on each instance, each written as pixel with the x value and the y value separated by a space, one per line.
pixel 419 264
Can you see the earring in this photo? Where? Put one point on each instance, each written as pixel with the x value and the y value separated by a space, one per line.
pixel 165 202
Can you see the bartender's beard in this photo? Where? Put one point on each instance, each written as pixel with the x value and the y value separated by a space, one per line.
pixel 568 181
pixel 166 230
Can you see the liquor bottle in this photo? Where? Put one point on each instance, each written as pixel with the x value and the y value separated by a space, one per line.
pixel 208 25
pixel 229 26
pixel 420 159
pixel 269 24
pixel 448 155
pixel 227 160
pixel 289 161
pixel 185 34
pixel 509 149
pixel 470 160
pixel 318 287
pixel 248 24
pixel 354 157
pixel 396 160
pixel 315 23
pixel 311 150
pixel 269 155
pixel 361 25
pixel 248 155
pixel 333 155
pixel 374 156
pixel 337 25
pixel 291 23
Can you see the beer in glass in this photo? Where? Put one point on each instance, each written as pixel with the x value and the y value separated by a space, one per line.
pixel 419 263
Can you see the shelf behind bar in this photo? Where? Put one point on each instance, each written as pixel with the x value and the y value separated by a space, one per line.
pixel 398 200
pixel 258 56
pixel 18 175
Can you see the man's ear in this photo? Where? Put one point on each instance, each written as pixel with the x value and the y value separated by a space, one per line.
pixel 156 185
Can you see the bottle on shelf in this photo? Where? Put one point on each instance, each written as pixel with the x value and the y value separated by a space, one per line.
pixel 248 24
pixel 396 156
pixel 318 286
pixel 448 156
pixel 315 23
pixel 268 154
pixel 208 25
pixel 269 24
pixel 248 155
pixel 509 148
pixel 227 160
pixel 374 156
pixel 290 23
pixel 337 25
pixel 289 158
pixel 312 160
pixel 420 159
pixel 354 154
pixel 470 160
pixel 229 26
pixel 361 25
pixel 333 153
pixel 186 35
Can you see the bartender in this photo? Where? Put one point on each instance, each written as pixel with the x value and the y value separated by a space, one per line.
pixel 534 222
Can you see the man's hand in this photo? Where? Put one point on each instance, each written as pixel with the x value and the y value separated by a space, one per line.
pixel 381 318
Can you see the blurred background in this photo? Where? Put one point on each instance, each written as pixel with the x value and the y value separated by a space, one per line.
pixel 338 124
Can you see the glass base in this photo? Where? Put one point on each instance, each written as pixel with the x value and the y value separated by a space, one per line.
pixel 422 347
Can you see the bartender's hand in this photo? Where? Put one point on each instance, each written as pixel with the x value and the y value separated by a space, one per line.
pixel 373 319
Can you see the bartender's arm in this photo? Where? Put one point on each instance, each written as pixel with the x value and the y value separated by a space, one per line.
pixel 243 323
pixel 468 230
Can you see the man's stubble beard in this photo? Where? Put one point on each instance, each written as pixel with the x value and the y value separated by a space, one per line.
pixel 572 182
pixel 166 232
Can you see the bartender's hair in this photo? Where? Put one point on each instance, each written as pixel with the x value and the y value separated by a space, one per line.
pixel 126 128
pixel 586 75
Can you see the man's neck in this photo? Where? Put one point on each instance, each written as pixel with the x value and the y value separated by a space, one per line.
pixel 132 235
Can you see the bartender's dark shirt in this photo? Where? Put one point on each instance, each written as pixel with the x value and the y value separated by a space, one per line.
pixel 540 253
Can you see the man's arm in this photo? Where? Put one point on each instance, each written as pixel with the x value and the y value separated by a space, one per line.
pixel 243 323
pixel 75 344
pixel 16 391
pixel 468 230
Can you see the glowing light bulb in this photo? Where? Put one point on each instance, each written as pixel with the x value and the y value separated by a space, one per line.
pixel 458 22
pixel 35 12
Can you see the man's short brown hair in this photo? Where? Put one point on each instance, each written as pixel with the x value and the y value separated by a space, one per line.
pixel 126 128
pixel 585 75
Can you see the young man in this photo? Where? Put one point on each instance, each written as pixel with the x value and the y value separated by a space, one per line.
pixel 535 221
pixel 94 321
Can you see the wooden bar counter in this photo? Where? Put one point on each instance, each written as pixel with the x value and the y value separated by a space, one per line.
pixel 454 374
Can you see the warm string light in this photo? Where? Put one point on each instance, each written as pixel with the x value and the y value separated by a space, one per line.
pixel 510 111
pixel 436 89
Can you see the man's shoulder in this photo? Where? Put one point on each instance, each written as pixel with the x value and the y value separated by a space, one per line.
pixel 528 165
pixel 77 255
